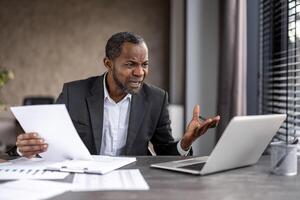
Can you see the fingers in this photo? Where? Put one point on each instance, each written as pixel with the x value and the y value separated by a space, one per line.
pixel 36 148
pixel 202 128
pixel 196 128
pixel 29 139
pixel 31 151
pixel 208 123
pixel 27 136
pixel 30 154
pixel 213 121
pixel 216 120
pixel 30 144
pixel 196 112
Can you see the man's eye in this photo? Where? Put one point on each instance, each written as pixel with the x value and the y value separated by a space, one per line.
pixel 129 65
pixel 145 65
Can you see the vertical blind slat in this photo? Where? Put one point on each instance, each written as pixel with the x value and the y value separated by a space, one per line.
pixel 280 63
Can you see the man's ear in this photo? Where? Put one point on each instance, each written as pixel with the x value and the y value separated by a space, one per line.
pixel 107 63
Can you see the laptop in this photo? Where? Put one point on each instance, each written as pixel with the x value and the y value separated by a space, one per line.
pixel 241 144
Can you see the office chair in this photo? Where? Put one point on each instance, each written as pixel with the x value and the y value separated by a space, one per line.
pixel 31 100
pixel 36 100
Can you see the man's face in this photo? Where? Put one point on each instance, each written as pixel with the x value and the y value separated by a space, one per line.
pixel 131 67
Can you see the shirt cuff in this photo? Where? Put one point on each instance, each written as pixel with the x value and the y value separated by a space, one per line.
pixel 181 151
pixel 18 152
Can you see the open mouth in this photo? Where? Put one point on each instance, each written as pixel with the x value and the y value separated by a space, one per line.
pixel 135 84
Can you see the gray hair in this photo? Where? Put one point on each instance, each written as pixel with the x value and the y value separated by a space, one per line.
pixel 114 44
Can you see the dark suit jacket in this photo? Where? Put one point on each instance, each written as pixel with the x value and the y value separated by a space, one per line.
pixel 149 117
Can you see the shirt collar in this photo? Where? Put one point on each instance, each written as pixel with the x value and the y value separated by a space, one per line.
pixel 106 94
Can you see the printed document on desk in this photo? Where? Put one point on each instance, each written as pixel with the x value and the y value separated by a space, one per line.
pixel 53 123
pixel 99 164
pixel 124 179
pixel 32 189
pixel 23 168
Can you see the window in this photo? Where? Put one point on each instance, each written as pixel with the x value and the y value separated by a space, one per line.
pixel 280 63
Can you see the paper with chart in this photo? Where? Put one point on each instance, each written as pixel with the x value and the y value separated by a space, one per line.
pixel 32 189
pixel 53 123
pixel 24 168
pixel 130 179
pixel 99 164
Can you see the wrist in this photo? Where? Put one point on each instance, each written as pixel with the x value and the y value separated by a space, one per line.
pixel 185 144
pixel 18 152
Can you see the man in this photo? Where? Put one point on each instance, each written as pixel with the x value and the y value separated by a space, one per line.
pixel 117 113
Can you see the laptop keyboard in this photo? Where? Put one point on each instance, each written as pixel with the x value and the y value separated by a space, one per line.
pixel 197 166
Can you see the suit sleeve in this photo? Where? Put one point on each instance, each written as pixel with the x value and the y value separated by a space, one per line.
pixel 63 97
pixel 162 140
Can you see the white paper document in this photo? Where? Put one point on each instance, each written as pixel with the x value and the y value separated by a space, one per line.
pixel 32 189
pixel 24 168
pixel 99 164
pixel 130 179
pixel 53 123
pixel 12 174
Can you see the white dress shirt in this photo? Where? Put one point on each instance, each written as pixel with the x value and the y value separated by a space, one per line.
pixel 115 125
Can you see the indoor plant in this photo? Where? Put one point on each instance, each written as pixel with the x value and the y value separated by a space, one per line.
pixel 5 76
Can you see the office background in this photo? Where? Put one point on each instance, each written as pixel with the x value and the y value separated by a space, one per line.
pixel 47 43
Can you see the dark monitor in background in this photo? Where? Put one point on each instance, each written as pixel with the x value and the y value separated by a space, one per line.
pixel 9 147
pixel 35 100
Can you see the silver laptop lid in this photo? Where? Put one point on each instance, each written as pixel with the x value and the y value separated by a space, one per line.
pixel 243 141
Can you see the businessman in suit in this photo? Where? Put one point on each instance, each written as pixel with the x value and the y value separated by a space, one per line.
pixel 117 113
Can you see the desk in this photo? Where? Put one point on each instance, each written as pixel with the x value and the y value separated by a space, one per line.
pixel 253 182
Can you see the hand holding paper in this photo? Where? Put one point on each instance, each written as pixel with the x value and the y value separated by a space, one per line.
pixel 31 144
pixel 53 123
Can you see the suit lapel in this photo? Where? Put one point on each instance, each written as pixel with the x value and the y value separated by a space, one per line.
pixel 95 107
pixel 137 112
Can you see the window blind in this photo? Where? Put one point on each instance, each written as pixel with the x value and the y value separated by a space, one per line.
pixel 280 63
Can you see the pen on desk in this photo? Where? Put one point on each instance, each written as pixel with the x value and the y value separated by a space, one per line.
pixel 203 119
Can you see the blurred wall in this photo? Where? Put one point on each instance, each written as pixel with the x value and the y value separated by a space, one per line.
pixel 47 43
pixel 253 57
pixel 202 66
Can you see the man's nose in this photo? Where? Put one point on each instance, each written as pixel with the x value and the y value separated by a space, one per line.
pixel 138 71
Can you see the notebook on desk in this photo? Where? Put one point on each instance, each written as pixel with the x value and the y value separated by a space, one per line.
pixel 242 143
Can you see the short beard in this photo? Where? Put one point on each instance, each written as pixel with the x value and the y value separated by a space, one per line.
pixel 122 86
